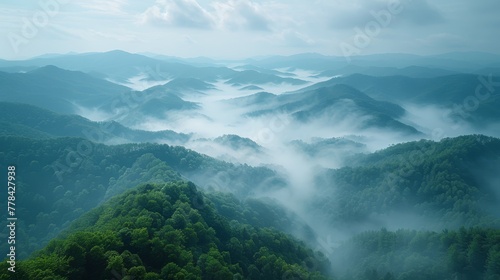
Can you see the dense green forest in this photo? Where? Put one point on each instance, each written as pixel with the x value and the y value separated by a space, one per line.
pixel 168 231
pixel 29 121
pixel 422 184
pixel 413 255
pixel 106 188
pixel 60 179
pixel 424 187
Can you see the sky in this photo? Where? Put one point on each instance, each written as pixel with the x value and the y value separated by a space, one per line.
pixel 233 29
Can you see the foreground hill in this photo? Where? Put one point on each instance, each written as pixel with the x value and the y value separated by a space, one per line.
pixel 168 231
pixel 60 179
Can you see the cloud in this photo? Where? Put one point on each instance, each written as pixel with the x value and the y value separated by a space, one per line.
pixel 110 7
pixel 358 13
pixel 352 14
pixel 178 13
pixel 295 39
pixel 232 15
pixel 239 14
pixel 422 13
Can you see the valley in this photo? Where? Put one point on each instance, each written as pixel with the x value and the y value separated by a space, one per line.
pixel 285 167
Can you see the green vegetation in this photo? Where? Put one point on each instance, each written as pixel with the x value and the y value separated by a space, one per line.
pixel 168 231
pixel 58 90
pixel 410 255
pixel 33 122
pixel 236 142
pixel 427 184
pixel 60 179
pixel 331 103
pixel 443 91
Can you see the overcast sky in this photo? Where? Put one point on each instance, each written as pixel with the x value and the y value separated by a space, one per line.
pixel 247 28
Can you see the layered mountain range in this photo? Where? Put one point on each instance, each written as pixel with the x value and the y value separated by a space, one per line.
pixel 286 167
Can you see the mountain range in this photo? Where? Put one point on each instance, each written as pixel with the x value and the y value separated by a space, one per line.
pixel 141 166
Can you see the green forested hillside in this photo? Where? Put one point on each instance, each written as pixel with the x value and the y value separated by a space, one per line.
pixel 60 179
pixel 29 121
pixel 331 104
pixel 420 255
pixel 464 90
pixel 422 184
pixel 168 231
pixel 58 90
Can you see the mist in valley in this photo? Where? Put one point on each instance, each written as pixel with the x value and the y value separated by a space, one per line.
pixel 229 139
pixel 340 167
pixel 224 126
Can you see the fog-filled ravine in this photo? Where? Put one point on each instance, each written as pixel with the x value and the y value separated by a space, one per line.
pixel 286 167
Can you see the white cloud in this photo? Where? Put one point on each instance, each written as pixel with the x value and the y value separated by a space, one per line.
pixel 178 13
pixel 111 7
pixel 231 15
pixel 242 28
pixel 240 14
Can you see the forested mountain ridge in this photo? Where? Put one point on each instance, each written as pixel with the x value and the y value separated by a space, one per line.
pixel 423 184
pixel 57 89
pixel 24 120
pixel 168 231
pixel 60 179
pixel 331 104
pixel 444 91
pixel 471 254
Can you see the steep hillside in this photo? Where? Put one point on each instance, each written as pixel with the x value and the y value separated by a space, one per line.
pixel 33 122
pixel 59 179
pixel 424 184
pixel 404 254
pixel 472 93
pixel 334 104
pixel 58 90
pixel 169 231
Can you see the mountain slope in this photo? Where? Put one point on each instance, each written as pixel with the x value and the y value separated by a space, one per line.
pixel 169 232
pixel 181 84
pixel 423 184
pixel 58 90
pixel 29 121
pixel 409 71
pixel 121 66
pixel 249 77
pixel 333 104
pixel 475 95
pixel 463 254
pixel 61 178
